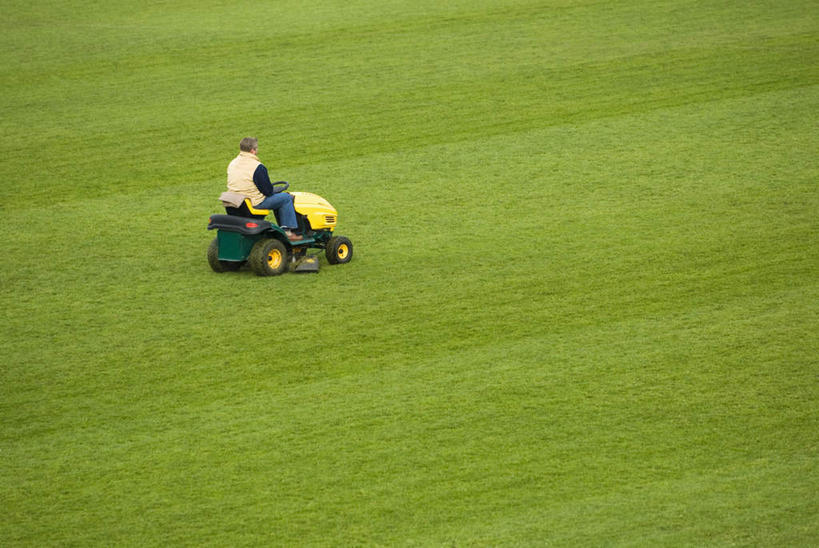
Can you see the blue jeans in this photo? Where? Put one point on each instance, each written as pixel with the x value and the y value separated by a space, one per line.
pixel 282 204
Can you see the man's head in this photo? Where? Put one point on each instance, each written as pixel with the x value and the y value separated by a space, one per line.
pixel 249 144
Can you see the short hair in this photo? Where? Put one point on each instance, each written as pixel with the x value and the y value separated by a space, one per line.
pixel 248 143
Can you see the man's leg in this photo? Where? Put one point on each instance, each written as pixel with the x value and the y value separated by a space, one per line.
pixel 282 203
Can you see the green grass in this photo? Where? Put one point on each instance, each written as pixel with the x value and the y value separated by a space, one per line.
pixel 582 308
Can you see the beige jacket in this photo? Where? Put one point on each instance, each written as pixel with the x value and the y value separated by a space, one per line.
pixel 240 176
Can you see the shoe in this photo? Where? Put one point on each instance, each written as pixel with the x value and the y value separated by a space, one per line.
pixel 292 236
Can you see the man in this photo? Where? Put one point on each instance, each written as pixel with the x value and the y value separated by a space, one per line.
pixel 247 175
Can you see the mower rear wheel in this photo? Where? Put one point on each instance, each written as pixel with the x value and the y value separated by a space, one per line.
pixel 216 264
pixel 268 257
pixel 339 250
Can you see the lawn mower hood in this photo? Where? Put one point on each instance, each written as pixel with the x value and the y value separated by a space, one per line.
pixel 317 210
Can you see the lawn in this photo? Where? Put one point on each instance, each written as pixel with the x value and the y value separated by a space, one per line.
pixel 583 307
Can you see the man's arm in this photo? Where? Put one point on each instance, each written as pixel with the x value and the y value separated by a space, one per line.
pixel 262 180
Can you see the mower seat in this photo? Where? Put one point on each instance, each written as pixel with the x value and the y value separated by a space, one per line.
pixel 239 205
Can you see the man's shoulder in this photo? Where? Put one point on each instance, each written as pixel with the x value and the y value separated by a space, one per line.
pixel 244 162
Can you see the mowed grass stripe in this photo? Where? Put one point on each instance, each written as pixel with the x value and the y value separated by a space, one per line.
pixel 446 114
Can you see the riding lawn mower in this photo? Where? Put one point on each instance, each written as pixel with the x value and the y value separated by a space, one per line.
pixel 243 236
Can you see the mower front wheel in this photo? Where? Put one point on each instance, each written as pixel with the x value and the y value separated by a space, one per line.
pixel 268 257
pixel 217 265
pixel 339 250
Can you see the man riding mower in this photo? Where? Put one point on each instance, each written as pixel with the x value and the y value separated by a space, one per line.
pixel 244 236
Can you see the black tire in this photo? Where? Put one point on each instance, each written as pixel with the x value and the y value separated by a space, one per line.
pixel 216 264
pixel 339 250
pixel 269 257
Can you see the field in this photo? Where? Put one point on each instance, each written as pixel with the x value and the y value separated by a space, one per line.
pixel 583 307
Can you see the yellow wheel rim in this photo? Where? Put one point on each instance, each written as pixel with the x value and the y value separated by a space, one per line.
pixel 343 251
pixel 274 259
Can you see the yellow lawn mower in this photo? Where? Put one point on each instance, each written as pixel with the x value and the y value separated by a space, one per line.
pixel 243 236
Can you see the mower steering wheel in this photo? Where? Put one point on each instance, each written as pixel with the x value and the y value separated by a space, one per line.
pixel 283 184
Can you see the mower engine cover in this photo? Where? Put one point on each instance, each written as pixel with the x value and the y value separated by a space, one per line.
pixel 318 211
